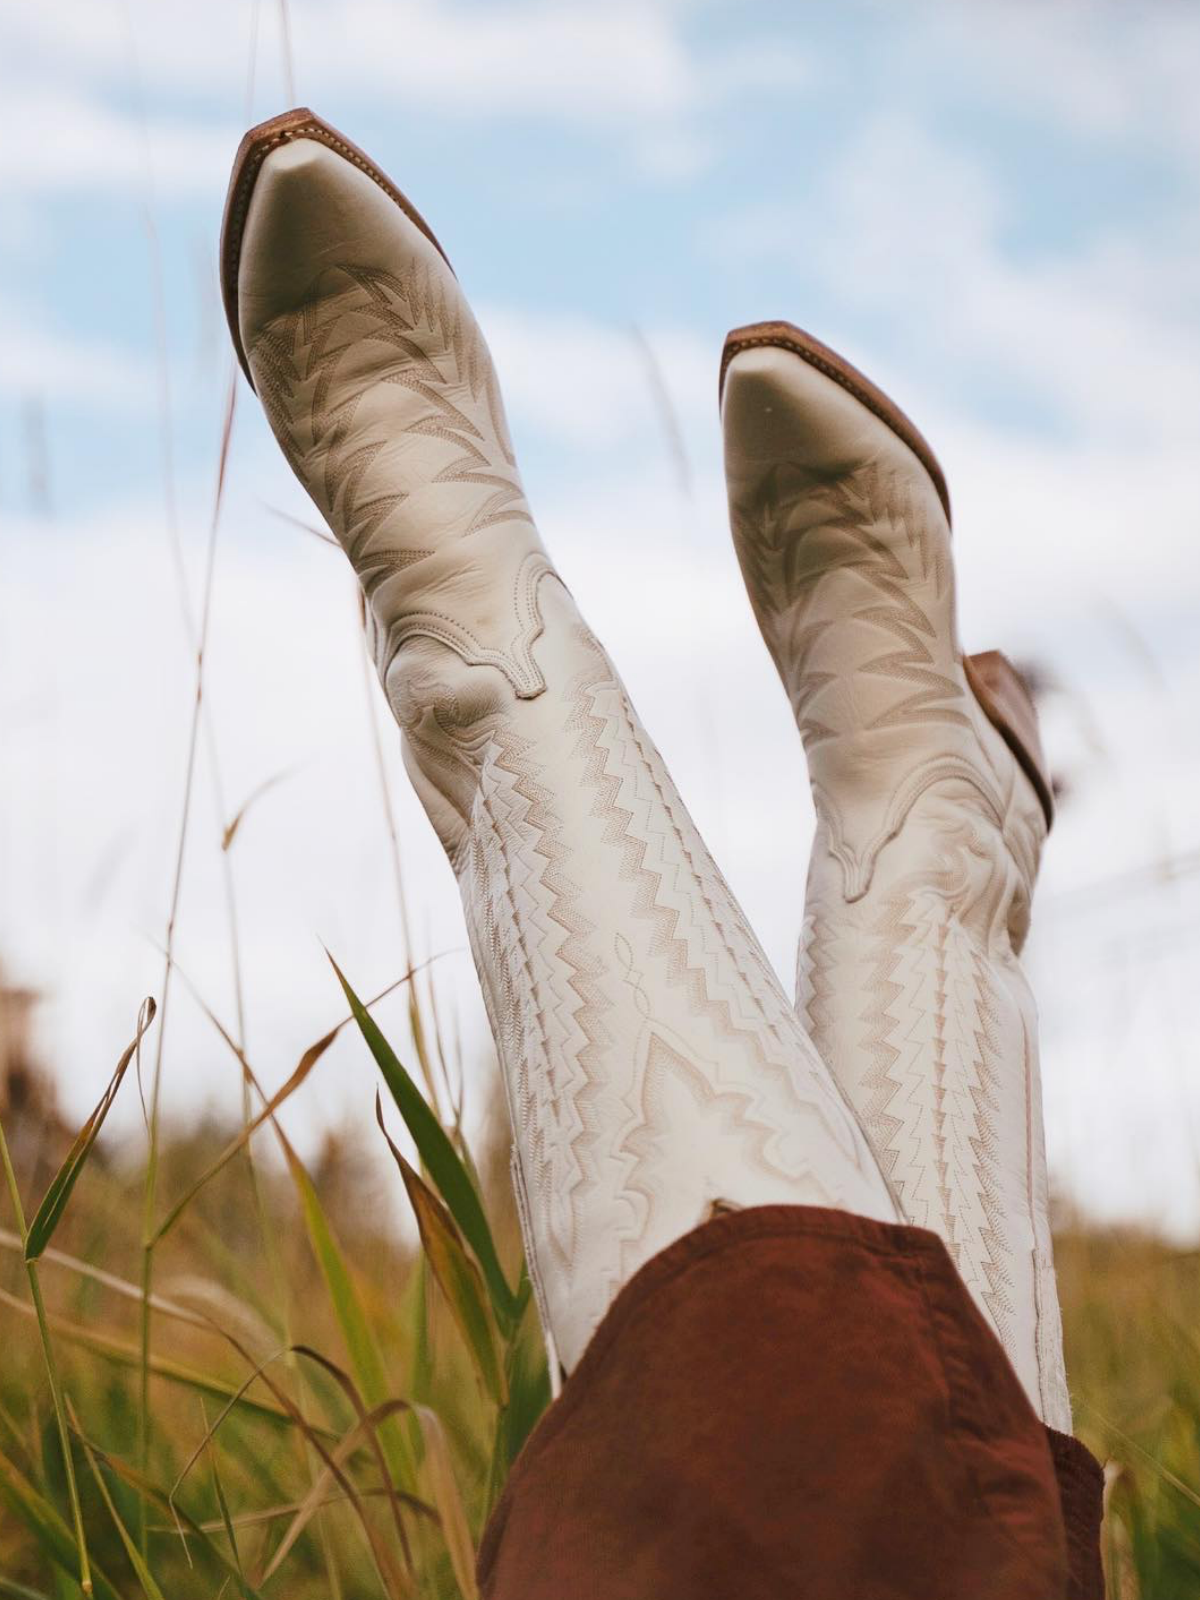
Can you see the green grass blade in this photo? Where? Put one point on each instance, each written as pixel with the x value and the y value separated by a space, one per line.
pixel 128 1355
pixel 307 1062
pixel 365 1359
pixel 223 1504
pixel 17 1591
pixel 49 1214
pixel 438 1153
pixel 154 1495
pixel 528 1397
pixel 455 1272
pixel 38 1515
pixel 364 1353
pixel 56 1391
pixel 445 1496
pixel 145 1577
pixel 529 1388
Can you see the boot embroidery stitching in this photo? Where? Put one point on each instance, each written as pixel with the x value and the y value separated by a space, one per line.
pixel 706 890
pixel 858 863
pixel 654 1126
pixel 585 1118
pixel 517 662
pixel 308 348
pixel 559 1084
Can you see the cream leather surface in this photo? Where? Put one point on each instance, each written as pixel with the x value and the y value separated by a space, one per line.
pixel 652 1062
pixel 928 836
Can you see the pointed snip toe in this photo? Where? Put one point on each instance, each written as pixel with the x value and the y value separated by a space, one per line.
pixel 375 378
pixel 297 124
pixel 786 336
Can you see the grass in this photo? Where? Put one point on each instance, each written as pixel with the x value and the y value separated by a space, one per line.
pixel 1131 1312
pixel 333 1409
pixel 339 1423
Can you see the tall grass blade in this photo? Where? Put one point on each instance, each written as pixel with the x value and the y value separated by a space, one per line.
pixel 144 1576
pixel 18 1591
pixel 372 1433
pixel 356 1330
pixel 150 1491
pixel 529 1394
pixel 49 1214
pixel 455 1272
pixel 393 1580
pixel 528 1388
pixel 368 1422
pixel 129 1355
pixel 223 1504
pixel 445 1496
pixel 56 1390
pixel 438 1153
pixel 306 1063
pixel 365 1359
pixel 210 1431
pixel 258 1519
pixel 35 1512
pixel 231 828
pixel 110 1280
pixel 305 527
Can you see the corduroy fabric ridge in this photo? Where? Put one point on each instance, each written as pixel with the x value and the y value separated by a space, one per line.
pixel 1081 1490
pixel 791 1401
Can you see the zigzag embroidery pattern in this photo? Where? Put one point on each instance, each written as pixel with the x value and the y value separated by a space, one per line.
pixel 708 991
pixel 931 1058
pixel 558 1073
pixel 552 993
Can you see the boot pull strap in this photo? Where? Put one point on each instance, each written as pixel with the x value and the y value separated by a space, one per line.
pixel 1008 705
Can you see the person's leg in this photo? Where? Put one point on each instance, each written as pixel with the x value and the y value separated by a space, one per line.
pixel 654 1067
pixel 929 827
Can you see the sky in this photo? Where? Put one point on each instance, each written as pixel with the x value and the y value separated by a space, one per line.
pixel 991 208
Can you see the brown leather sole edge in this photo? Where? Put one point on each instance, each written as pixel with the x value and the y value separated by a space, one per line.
pixel 256 146
pixel 786 336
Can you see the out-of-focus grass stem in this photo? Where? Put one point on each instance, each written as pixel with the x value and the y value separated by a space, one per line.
pixel 60 1411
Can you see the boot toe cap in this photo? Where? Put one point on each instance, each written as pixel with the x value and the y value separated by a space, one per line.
pixel 313 212
pixel 779 407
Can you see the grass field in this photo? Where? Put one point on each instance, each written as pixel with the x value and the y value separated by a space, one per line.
pixel 222 1375
pixel 311 1404
pixel 316 1408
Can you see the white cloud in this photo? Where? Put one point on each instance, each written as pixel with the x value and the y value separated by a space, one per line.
pixel 1104 71
pixel 57 365
pixel 567 60
pixel 67 140
pixel 573 379
pixel 901 223
pixel 623 67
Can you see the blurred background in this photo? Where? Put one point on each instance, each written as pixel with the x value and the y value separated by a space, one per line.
pixel 993 209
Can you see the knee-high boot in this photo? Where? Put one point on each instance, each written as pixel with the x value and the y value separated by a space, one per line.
pixel 652 1063
pixel 932 807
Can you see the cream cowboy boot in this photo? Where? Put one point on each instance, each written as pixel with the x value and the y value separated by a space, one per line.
pixel 652 1063
pixel 932 808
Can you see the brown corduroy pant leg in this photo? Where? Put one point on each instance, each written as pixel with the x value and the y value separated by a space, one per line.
pixel 792 1401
